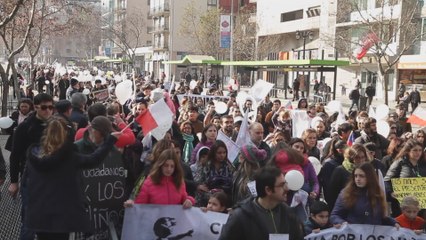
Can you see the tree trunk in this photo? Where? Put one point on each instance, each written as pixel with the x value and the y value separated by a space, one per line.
pixel 382 77
pixel 5 92
pixel 15 83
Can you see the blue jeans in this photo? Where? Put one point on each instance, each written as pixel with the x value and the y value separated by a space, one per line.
pixel 25 233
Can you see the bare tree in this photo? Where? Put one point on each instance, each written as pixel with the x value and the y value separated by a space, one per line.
pixel 8 13
pixel 15 36
pixel 392 29
pixel 127 34
pixel 202 30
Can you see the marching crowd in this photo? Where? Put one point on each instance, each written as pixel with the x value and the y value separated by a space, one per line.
pixel 347 179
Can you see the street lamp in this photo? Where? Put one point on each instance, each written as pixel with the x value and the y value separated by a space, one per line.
pixel 304 34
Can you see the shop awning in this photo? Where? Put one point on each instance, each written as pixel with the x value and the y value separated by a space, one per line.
pixel 287 63
pixel 194 59
pixel 412 62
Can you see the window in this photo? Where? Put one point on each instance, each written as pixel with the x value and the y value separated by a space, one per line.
pixel 290 16
pixel 211 2
pixel 361 4
pixel 423 30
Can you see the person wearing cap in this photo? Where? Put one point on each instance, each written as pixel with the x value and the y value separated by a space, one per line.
pixel 73 88
pixel 63 85
pixel 78 117
pixel 97 133
pixel 248 159
pixel 55 207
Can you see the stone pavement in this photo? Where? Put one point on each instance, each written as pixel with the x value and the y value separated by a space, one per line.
pixel 10 208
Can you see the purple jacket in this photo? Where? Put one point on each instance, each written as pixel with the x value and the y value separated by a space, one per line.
pixel 197 147
pixel 311 179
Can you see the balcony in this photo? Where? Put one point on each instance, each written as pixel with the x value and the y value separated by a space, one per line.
pixel 160 46
pixel 160 29
pixel 160 10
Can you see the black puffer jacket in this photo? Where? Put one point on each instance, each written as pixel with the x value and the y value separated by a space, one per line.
pixel 249 221
pixel 404 169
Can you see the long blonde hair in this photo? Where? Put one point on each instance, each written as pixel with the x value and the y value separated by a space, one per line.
pixel 54 136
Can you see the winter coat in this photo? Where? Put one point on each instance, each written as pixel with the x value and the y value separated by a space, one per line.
pixel 79 118
pixel 164 193
pixel 381 143
pixel 250 221
pixel 404 169
pixel 310 225
pixel 338 181
pixel 27 133
pixel 361 213
pixel 14 116
pixel 324 176
pixel 55 196
pixel 197 147
pixel 311 181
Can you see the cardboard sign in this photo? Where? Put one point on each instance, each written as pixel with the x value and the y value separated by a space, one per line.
pixel 416 187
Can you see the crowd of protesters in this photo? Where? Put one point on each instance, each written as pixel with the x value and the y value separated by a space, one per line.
pixel 64 129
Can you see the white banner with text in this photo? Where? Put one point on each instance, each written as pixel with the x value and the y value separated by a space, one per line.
pixel 365 232
pixel 146 221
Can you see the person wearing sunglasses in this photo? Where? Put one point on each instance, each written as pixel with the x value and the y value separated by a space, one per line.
pixel 26 134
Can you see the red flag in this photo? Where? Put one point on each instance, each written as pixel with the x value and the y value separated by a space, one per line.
pixel 147 122
pixel 418 117
pixel 369 40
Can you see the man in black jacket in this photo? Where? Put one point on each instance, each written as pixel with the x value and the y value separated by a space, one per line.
pixel 258 218
pixel 27 133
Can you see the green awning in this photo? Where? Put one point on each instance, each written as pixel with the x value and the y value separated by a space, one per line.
pixel 100 58
pixel 287 63
pixel 118 60
pixel 194 59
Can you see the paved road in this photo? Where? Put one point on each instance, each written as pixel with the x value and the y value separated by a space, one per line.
pixel 9 208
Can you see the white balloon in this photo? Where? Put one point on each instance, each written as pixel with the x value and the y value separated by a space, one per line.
pixel 6 122
pixel 383 128
pixel 334 106
pixel 294 180
pixel 86 91
pixel 220 107
pixel 316 164
pixel 382 112
pixel 123 91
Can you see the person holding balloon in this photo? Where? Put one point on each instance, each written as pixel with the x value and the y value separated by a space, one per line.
pixel 258 217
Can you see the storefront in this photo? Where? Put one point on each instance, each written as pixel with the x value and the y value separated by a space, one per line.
pixel 412 72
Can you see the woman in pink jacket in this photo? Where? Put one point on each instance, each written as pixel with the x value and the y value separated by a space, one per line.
pixel 165 184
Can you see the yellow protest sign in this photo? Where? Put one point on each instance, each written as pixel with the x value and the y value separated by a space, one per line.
pixel 410 186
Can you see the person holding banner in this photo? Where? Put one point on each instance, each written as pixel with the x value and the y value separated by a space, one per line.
pixel 257 218
pixel 165 184
pixel 362 201
pixel 408 219
pixel 55 207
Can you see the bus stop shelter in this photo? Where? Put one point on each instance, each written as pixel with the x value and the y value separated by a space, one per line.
pixel 306 65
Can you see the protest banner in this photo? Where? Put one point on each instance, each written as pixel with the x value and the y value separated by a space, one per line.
pixel 403 187
pixel 104 188
pixel 101 95
pixel 365 232
pixel 146 221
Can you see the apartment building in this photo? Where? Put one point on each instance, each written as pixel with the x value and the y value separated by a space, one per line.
pixel 304 29
pixel 168 44
pixel 322 22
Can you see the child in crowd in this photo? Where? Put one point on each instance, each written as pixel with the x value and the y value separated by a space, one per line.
pixel 409 219
pixel 218 202
pixel 319 218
